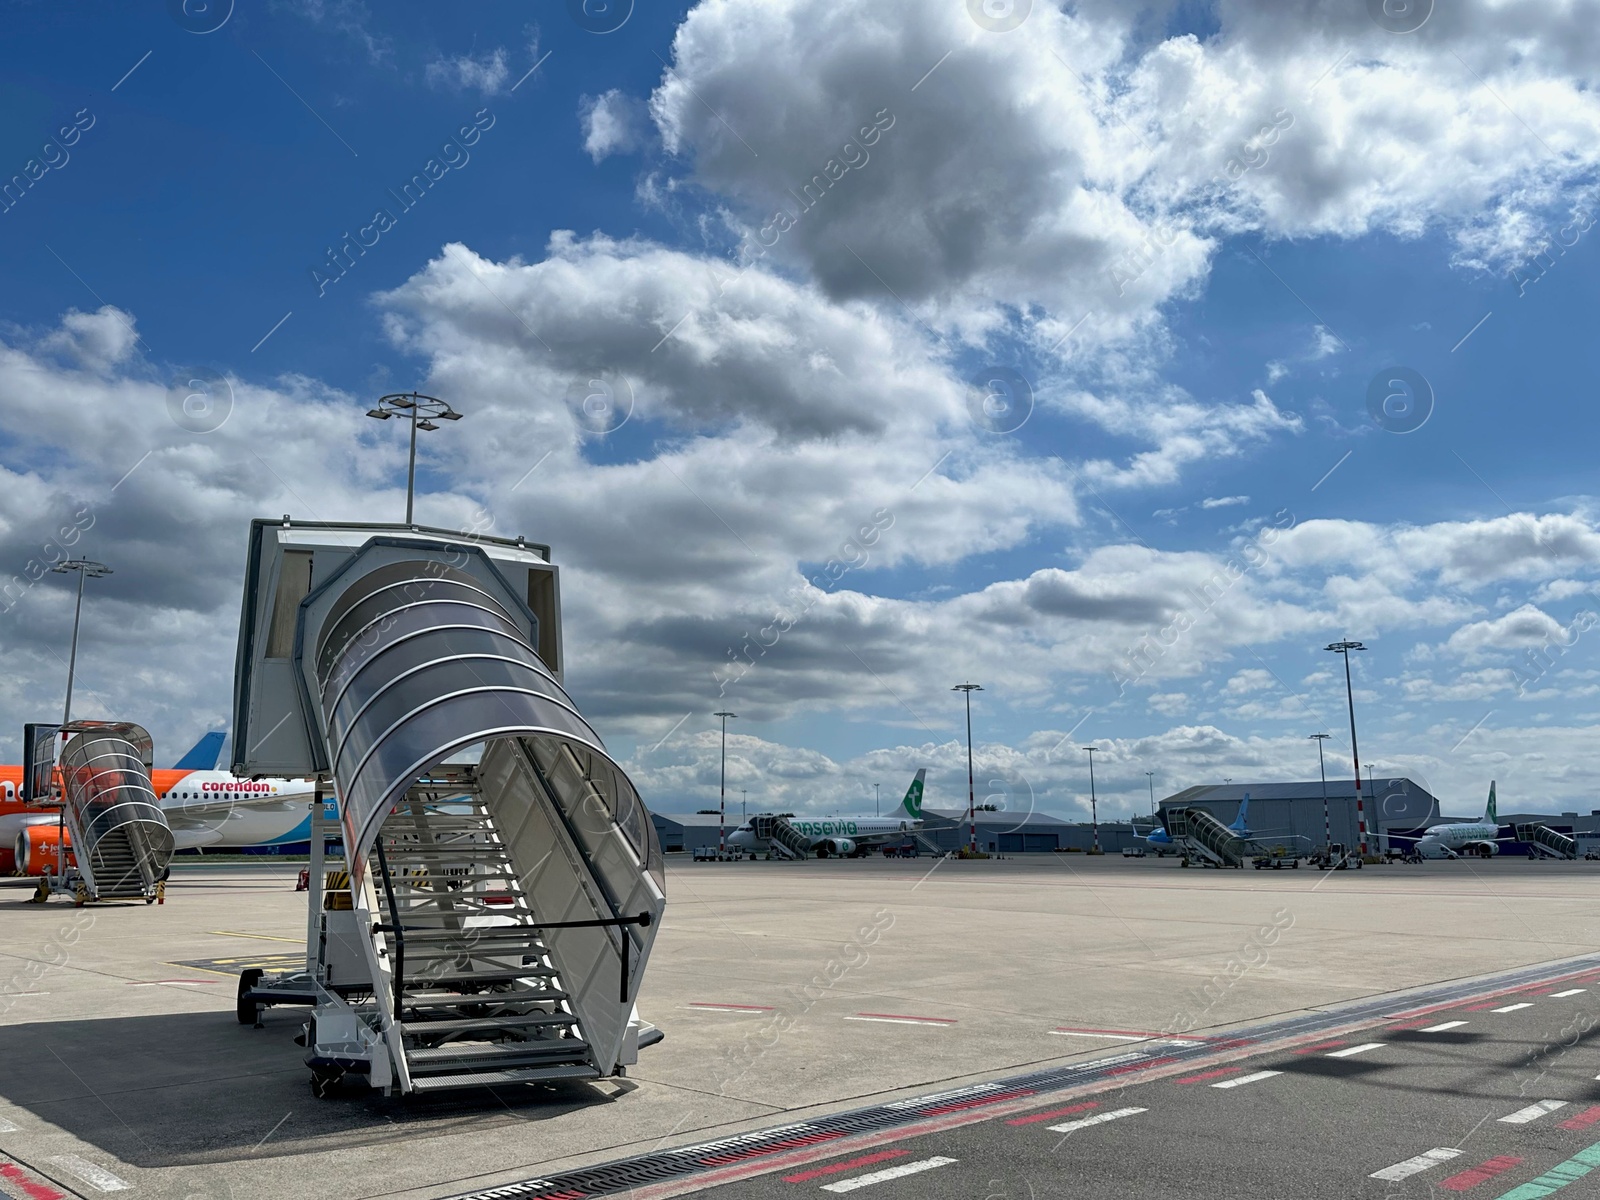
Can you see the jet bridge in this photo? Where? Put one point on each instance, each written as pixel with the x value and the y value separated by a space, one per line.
pixel 505 880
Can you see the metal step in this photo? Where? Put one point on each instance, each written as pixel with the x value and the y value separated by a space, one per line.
pixel 484 1024
pixel 455 1001
pixel 477 1056
pixel 440 1083
pixel 441 982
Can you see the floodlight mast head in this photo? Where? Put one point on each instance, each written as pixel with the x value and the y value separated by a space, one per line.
pixel 422 411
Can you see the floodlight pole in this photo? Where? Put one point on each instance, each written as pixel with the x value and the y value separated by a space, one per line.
pixel 420 410
pixel 1344 648
pixel 1151 776
pixel 722 791
pixel 1327 826
pixel 972 814
pixel 1094 804
pixel 86 568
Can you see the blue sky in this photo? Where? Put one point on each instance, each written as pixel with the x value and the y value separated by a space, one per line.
pixel 590 228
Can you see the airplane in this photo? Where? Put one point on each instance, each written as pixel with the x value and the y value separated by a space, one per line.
pixel 1159 840
pixel 843 836
pixel 205 808
pixel 1452 839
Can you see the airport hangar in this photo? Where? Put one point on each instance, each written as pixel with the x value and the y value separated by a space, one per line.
pixel 1397 805
pixel 998 832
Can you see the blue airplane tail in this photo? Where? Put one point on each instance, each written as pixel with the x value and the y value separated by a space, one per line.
pixel 204 755
pixel 1240 824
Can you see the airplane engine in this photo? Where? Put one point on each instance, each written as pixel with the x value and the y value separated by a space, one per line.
pixel 842 847
pixel 1481 849
pixel 36 849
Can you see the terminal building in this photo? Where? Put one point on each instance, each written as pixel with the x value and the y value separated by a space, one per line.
pixel 1397 809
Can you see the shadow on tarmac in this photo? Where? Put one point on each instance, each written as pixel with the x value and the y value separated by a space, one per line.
pixel 198 1088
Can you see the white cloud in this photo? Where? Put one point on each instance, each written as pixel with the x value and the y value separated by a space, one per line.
pixel 613 123
pixel 1224 501
pixel 483 73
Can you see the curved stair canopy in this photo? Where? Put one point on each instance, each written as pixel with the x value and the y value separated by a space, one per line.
pixel 120 836
pixel 489 834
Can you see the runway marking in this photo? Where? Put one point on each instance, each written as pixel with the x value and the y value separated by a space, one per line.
pixel 1513 1007
pixel 1099 1119
pixel 1557 1177
pixel 265 937
pixel 1206 1075
pixel 866 1160
pixel 896 1019
pixel 1320 1047
pixel 1568 992
pixel 1482 1173
pixel 170 982
pixel 1533 1112
pixel 900 1172
pixel 28 1186
pixel 706 1006
pixel 1442 1027
pixel 6 1126
pixel 1417 1165
pixel 1035 1118
pixel 1244 1079
pixel 93 1174
pixel 1583 1120
pixel 1352 1051
pixel 1100 1033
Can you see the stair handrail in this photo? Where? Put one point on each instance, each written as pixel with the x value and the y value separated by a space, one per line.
pixel 399 956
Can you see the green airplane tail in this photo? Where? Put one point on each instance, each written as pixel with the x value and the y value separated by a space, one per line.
pixel 1489 813
pixel 912 804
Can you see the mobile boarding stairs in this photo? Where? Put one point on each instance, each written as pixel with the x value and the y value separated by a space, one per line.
pixel 503 885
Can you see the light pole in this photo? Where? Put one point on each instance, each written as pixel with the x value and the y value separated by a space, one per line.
pixel 972 815
pixel 1344 648
pixel 1377 819
pixel 413 405
pixel 1327 827
pixel 1094 805
pixel 875 811
pixel 744 801
pixel 1151 776
pixel 722 790
pixel 86 569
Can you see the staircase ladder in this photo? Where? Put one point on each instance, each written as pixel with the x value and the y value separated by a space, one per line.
pixel 120 837
pixel 1208 838
pixel 785 840
pixel 472 991
pixel 1546 842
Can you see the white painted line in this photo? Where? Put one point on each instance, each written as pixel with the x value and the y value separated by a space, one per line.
pixel 1244 1079
pixel 1116 1037
pixel 6 1126
pixel 1568 992
pixel 1101 1119
pixel 1533 1112
pixel 1351 1051
pixel 1443 1027
pixel 1417 1165
pixel 905 1021
pixel 888 1173
pixel 747 1009
pixel 1512 1007
pixel 93 1174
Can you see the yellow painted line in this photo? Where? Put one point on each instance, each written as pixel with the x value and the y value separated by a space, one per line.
pixel 266 937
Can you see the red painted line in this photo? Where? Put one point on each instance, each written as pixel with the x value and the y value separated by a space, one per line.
pixel 1035 1118
pixel 1142 1066
pixel 34 1191
pixel 1481 1173
pixel 1583 1120
pixel 1205 1075
pixel 992 1098
pixel 1320 1047
pixel 838 1168
pixel 904 1017
pixel 1495 1003
pixel 794 1143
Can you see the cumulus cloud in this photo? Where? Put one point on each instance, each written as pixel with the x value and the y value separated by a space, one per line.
pixel 484 73
pixel 613 123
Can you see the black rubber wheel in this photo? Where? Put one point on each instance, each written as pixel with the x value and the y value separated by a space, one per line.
pixel 245 1009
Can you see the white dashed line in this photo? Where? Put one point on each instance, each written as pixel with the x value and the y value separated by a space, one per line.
pixel 1352 1051
pixel 1443 1027
pixel 937 1022
pixel 1244 1079
pixel 1512 1007
pixel 1533 1112
pixel 1417 1165
pixel 888 1173
pixel 93 1174
pixel 1568 992
pixel 1101 1119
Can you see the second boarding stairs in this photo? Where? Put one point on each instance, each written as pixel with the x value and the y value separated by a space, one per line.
pixel 1544 842
pixel 786 841
pixel 1204 837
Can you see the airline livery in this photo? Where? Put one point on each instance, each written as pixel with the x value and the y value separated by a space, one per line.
pixel 1452 839
pixel 205 807
pixel 843 836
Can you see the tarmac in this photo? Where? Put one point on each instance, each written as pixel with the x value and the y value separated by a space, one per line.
pixel 786 991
